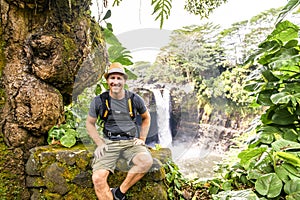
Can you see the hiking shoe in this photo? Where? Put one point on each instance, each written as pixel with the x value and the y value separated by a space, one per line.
pixel 113 191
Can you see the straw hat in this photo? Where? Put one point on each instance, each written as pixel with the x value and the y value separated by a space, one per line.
pixel 116 68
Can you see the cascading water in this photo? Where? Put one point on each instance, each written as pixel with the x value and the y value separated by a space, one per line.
pixel 194 146
pixel 162 101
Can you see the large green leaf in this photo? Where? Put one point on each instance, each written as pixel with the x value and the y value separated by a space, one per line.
pixel 290 133
pixel 282 173
pixel 289 158
pixel 270 48
pixel 293 88
pixel 286 64
pixel 71 132
pixel 292 186
pixel 266 117
pixel 254 174
pixel 269 185
pixel 110 38
pixel 284 32
pixel 130 74
pixel 266 138
pixel 264 96
pixel 252 86
pixel 266 134
pixel 269 76
pixel 55 133
pixel 68 140
pixel 268 129
pixel 247 155
pixel 283 116
pixel 281 98
pixel 294 172
pixel 285 145
pixel 238 195
pixel 293 196
pixel 291 44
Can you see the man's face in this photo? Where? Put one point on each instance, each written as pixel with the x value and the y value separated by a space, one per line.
pixel 116 82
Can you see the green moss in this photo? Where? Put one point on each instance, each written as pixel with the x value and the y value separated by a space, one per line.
pixel 70 172
pixel 46 162
pixel 96 33
pixel 10 187
pixel 69 48
pixel 153 190
pixel 39 182
pixel 79 193
pixel 51 196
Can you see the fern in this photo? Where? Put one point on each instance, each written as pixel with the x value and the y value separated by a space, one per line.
pixel 162 8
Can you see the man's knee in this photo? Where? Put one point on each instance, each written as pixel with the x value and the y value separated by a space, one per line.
pixel 99 178
pixel 143 160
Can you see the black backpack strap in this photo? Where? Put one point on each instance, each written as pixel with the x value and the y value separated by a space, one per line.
pixel 131 107
pixel 105 99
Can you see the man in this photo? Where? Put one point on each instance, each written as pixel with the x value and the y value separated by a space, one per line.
pixel 119 138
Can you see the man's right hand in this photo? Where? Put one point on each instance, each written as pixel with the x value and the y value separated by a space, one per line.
pixel 99 152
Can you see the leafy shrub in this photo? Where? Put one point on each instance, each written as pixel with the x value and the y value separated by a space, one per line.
pixel 270 166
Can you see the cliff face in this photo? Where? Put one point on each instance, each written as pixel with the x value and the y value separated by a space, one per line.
pixel 50 50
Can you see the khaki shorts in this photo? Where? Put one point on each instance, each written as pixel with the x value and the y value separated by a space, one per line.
pixel 117 149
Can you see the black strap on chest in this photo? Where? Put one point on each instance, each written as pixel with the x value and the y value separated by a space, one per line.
pixel 106 102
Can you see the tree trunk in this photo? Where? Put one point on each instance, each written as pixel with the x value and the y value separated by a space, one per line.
pixel 50 50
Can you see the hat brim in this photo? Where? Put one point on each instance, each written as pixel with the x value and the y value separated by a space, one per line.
pixel 115 71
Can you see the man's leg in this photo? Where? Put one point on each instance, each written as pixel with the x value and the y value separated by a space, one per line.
pixel 100 184
pixel 142 162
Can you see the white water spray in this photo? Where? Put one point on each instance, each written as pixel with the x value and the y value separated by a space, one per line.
pixel 163 116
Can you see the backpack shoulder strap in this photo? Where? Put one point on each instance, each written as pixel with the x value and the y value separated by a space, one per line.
pixel 105 99
pixel 131 109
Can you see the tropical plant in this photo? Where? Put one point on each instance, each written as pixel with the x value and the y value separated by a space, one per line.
pixel 65 134
pixel 271 163
pixel 174 181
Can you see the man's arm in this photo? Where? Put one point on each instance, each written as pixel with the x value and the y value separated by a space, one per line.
pixel 146 119
pixel 92 130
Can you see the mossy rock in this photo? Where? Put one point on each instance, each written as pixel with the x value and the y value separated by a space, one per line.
pixel 56 172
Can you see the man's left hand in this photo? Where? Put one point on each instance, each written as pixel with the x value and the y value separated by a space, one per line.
pixel 138 141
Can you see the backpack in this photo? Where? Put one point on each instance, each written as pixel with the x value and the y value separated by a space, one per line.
pixel 105 99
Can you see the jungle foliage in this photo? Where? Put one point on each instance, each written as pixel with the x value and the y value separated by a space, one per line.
pixel 269 168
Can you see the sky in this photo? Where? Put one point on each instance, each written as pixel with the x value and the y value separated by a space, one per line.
pixel 137 30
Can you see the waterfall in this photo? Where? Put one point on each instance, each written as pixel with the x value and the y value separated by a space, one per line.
pixel 162 101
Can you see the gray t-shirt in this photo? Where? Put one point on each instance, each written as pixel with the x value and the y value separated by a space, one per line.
pixel 119 119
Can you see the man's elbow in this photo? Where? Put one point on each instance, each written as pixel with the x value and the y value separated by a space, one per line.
pixel 147 120
pixel 90 121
